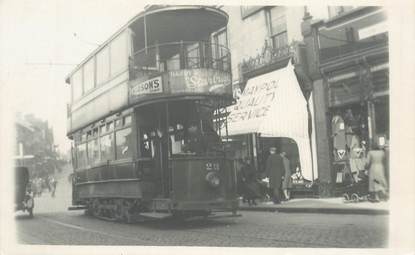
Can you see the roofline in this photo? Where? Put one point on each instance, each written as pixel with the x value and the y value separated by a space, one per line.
pixel 136 17
pixel 338 19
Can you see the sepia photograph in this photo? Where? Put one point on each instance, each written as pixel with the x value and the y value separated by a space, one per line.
pixel 135 124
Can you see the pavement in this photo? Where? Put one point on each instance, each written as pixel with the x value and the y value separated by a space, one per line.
pixel 320 205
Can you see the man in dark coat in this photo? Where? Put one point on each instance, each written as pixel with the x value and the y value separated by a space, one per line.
pixel 275 172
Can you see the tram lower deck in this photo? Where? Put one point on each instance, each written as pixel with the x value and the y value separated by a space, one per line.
pixel 163 158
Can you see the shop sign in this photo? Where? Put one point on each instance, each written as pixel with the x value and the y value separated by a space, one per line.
pixel 255 101
pixel 152 86
pixel 200 81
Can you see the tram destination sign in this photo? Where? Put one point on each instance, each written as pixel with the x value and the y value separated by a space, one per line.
pixel 151 86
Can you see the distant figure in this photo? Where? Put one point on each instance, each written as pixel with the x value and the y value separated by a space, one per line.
pixel 376 159
pixel 53 184
pixel 287 182
pixel 275 170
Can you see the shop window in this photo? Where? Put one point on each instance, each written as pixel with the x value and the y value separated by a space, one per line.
pixel 93 151
pixel 278 27
pixel 119 54
pixel 122 140
pixel 89 75
pixel 107 147
pixel 76 83
pixel 81 155
pixel 103 65
pixel 127 120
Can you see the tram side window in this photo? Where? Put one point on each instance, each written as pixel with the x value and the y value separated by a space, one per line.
pixel 89 75
pixel 107 147
pixel 93 151
pixel 119 54
pixel 122 140
pixel 82 155
pixel 77 85
pixel 103 65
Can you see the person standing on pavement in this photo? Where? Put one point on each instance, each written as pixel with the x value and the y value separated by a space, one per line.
pixel 376 159
pixel 287 182
pixel 275 170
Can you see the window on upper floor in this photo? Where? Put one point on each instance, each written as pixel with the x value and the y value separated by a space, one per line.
pixel 89 75
pixel 248 10
pixel 278 26
pixel 76 83
pixel 119 54
pixel 103 65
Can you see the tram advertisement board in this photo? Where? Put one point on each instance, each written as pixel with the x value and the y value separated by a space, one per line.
pixel 208 81
pixel 151 86
pixel 186 81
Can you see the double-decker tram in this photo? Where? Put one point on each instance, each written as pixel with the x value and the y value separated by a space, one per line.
pixel 147 136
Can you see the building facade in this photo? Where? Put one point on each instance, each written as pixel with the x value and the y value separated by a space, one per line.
pixel 35 146
pixel 263 41
pixel 348 64
pixel 340 55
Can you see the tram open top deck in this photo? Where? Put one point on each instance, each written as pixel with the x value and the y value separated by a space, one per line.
pixel 164 53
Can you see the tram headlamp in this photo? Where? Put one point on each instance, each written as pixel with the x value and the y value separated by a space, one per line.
pixel 213 179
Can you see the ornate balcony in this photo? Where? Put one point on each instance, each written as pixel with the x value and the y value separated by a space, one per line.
pixel 268 56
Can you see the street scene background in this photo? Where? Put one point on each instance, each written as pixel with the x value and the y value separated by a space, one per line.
pixel 316 216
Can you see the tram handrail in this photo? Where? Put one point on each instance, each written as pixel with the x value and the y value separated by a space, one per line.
pixel 209 55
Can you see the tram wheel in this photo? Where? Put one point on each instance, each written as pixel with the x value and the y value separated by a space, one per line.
pixel 96 210
pixel 119 210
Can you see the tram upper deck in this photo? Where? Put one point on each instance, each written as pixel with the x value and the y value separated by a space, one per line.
pixel 164 52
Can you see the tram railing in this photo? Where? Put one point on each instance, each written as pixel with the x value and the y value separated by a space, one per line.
pixel 180 55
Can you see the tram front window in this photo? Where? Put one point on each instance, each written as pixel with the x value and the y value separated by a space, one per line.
pixel 191 130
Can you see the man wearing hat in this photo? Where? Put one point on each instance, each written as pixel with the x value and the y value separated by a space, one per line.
pixel 275 170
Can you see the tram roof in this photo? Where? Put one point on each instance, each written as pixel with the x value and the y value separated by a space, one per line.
pixel 151 10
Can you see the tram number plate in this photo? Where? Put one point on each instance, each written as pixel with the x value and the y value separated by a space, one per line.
pixel 212 166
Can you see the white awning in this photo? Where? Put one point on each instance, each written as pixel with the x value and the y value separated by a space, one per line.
pixel 273 105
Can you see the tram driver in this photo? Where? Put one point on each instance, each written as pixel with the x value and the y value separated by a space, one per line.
pixel 193 143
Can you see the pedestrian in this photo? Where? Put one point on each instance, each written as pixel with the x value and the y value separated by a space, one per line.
pixel 53 184
pixel 377 181
pixel 287 182
pixel 275 170
pixel 251 187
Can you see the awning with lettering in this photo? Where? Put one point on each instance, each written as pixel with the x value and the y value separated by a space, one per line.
pixel 273 105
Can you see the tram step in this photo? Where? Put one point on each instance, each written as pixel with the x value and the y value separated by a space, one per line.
pixel 156 215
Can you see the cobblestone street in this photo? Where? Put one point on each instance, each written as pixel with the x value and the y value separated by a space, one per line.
pixel 253 229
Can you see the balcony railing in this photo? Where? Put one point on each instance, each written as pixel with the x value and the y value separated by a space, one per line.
pixel 267 56
pixel 180 55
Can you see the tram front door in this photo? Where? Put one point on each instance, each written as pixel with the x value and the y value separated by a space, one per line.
pixel 153 141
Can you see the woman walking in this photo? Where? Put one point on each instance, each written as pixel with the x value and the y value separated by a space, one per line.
pixel 377 182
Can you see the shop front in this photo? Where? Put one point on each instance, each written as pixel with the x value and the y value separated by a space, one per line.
pixel 272 112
